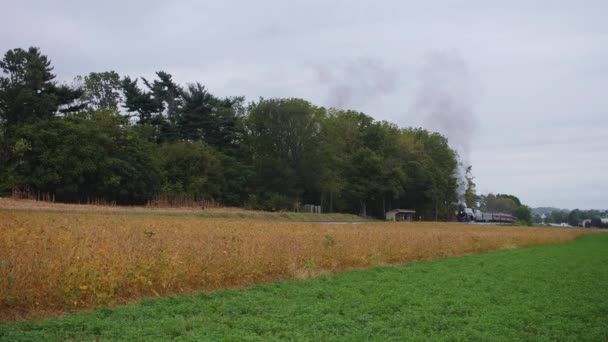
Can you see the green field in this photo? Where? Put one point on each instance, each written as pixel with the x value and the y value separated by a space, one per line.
pixel 557 292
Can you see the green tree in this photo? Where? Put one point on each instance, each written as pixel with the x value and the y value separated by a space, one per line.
pixel 82 157
pixel 364 178
pixel 28 94
pixel 395 154
pixel 282 136
pixel 166 92
pixel 575 217
pixel 238 173
pixel 190 168
pixel 437 166
pixel 558 216
pixel 499 203
pixel 511 197
pixel 205 117
pixel 28 91
pixel 344 157
pixel 101 90
pixel 523 214
pixel 145 106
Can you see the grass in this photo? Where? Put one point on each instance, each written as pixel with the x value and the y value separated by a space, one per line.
pixel 55 263
pixel 544 293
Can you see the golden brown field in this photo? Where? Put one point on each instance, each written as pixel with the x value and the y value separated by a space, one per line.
pixel 24 204
pixel 209 212
pixel 53 262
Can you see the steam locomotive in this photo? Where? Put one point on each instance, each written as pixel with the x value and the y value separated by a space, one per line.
pixel 474 215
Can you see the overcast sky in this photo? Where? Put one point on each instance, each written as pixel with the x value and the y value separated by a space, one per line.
pixel 519 87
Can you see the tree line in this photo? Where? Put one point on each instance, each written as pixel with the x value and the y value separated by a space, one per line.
pixel 129 140
pixel 576 218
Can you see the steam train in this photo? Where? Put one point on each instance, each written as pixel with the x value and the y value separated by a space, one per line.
pixel 474 215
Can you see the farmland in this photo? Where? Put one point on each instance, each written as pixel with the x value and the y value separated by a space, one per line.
pixel 53 263
pixel 213 212
pixel 548 293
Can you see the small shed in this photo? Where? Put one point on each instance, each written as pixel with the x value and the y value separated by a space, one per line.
pixel 311 208
pixel 400 215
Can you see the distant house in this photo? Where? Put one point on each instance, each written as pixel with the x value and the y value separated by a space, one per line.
pixel 400 215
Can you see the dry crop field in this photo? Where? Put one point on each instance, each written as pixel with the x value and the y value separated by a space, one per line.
pixel 24 204
pixel 209 212
pixel 57 262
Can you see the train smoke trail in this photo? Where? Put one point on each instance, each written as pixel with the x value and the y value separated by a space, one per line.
pixel 445 100
pixel 355 83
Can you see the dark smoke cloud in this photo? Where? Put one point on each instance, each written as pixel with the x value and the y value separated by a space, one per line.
pixel 355 83
pixel 445 101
